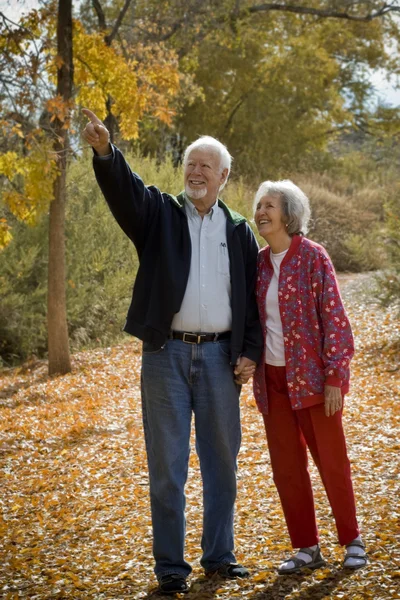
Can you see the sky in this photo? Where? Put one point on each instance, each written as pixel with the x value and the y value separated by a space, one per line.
pixel 385 91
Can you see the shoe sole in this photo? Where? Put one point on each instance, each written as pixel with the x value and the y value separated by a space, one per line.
pixel 298 570
pixel 212 573
pixel 170 593
pixel 355 567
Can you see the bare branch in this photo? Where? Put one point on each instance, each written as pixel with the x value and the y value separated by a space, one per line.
pixel 242 13
pixel 233 112
pixel 109 38
pixel 319 12
pixel 100 14
pixel 20 27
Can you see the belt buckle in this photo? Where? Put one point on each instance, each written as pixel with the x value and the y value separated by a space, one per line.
pixel 193 335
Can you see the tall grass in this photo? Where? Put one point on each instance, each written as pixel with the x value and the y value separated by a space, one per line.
pixel 101 261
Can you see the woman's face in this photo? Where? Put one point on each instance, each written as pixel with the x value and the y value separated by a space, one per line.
pixel 269 217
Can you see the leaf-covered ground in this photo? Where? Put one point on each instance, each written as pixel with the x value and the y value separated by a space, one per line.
pixel 75 522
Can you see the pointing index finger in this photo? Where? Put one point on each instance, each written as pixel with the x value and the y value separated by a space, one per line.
pixel 91 116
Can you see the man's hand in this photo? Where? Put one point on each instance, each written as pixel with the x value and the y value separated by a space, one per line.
pixel 333 400
pixel 244 370
pixel 96 134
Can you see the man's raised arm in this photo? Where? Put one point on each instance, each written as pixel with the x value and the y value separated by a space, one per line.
pixel 132 203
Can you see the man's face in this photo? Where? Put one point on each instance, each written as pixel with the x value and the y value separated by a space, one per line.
pixel 203 175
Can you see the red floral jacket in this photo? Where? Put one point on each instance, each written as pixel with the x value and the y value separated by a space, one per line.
pixel 317 335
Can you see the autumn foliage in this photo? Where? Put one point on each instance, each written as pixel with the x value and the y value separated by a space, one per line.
pixel 75 519
pixel 29 105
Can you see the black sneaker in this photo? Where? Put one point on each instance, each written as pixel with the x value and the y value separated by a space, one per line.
pixel 173 584
pixel 230 571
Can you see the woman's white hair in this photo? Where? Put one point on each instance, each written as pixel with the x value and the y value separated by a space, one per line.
pixel 208 142
pixel 294 202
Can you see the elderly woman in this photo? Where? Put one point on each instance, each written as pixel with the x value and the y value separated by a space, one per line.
pixel 300 384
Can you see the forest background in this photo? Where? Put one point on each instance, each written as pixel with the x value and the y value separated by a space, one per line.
pixel 286 86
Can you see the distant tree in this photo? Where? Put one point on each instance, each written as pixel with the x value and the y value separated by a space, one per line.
pixel 276 81
pixel 36 115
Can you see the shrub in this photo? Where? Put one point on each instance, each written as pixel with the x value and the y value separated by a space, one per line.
pixel 101 267
pixel 348 226
pixel 102 262
pixel 389 280
pixel 23 292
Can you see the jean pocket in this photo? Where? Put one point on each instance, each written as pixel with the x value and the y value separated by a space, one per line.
pixel 225 348
pixel 149 348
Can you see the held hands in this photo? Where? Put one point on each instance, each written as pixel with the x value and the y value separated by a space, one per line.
pixel 96 134
pixel 244 369
pixel 333 400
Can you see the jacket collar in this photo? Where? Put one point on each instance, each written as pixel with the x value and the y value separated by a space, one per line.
pixel 294 245
pixel 231 215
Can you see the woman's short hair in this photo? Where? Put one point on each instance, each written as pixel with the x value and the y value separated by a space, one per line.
pixel 295 204
pixel 206 141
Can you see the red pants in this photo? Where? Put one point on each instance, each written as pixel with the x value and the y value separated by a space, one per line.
pixel 289 432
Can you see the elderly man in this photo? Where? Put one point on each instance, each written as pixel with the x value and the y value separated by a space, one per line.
pixel 194 307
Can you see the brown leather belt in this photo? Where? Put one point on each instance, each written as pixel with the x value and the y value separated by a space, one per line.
pixel 199 338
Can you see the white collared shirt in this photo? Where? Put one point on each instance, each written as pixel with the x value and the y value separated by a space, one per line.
pixel 206 305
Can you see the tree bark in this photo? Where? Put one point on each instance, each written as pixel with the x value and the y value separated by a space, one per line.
pixel 58 343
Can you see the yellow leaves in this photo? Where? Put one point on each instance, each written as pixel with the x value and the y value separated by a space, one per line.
pixel 75 516
pixel 100 71
pixel 9 166
pixel 163 114
pixel 16 202
pixel 136 88
pixel 262 576
pixel 31 178
pixel 322 574
pixel 395 574
pixel 59 109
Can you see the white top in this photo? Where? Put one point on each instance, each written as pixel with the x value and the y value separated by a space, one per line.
pixel 275 349
pixel 206 305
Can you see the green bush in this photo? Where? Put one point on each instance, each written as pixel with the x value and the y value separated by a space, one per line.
pixel 23 266
pixel 389 280
pixel 347 225
pixel 102 262
pixel 101 268
pixel 348 222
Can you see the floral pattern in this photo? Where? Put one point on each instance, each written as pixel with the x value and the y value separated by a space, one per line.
pixel 317 334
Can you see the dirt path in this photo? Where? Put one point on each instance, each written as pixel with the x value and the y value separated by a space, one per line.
pixel 75 517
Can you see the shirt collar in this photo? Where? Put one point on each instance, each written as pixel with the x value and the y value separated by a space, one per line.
pixel 192 210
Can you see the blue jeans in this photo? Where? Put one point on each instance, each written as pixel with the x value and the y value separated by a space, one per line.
pixel 177 380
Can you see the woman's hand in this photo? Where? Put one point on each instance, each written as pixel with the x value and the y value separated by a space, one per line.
pixel 333 400
pixel 244 370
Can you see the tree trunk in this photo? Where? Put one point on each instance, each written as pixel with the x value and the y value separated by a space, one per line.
pixel 58 343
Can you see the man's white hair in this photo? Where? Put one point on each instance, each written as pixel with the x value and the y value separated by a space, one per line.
pixel 208 142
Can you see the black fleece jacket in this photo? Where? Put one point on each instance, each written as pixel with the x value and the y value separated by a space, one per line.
pixel 156 223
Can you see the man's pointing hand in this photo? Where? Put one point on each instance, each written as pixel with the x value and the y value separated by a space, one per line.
pixel 96 134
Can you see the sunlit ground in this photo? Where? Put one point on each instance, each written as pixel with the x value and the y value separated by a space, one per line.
pixel 75 519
